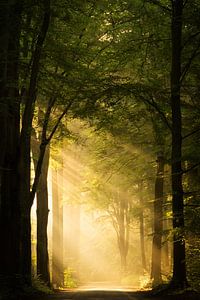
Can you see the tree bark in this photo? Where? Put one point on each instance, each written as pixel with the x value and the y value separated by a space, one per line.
pixel 42 222
pixel 179 264
pixel 158 223
pixel 57 231
pixel 123 220
pixel 26 199
pixel 42 201
pixel 10 25
pixel 61 275
pixel 141 220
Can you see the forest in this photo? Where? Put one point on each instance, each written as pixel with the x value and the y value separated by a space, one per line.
pixel 100 145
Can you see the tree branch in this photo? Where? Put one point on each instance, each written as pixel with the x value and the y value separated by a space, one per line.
pixel 157 108
pixel 191 168
pixel 157 2
pixel 187 66
pixel 45 141
pixel 191 133
pixel 59 120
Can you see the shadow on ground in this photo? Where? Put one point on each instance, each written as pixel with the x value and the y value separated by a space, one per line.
pixel 78 294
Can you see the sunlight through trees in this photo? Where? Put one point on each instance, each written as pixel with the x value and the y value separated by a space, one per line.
pixel 99 148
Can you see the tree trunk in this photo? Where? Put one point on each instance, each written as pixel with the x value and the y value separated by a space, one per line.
pixel 42 204
pixel 25 206
pixel 179 264
pixel 166 250
pixel 10 23
pixel 26 197
pixel 158 223
pixel 42 221
pixel 166 258
pixel 25 247
pixel 61 275
pixel 141 220
pixel 123 233
pixel 57 239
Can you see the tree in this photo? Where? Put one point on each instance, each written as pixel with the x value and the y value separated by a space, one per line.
pixel 57 229
pixel 142 231
pixel 179 264
pixel 158 222
pixel 25 193
pixel 42 207
pixel 10 18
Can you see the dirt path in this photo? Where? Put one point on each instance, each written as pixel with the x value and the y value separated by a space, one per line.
pixel 113 295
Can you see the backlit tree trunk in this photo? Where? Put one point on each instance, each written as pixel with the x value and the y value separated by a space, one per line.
pixel 61 275
pixel 57 231
pixel 42 222
pixel 158 223
pixel 141 220
pixel 123 225
pixel 42 202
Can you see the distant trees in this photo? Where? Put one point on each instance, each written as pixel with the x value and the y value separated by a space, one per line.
pixel 113 187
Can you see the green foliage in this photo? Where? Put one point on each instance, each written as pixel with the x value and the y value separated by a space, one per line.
pixel 193 263
pixel 40 286
pixel 70 280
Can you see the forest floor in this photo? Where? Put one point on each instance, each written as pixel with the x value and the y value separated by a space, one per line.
pixel 103 292
pixel 113 295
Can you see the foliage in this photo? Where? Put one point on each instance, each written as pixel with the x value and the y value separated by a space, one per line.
pixel 70 280
pixel 40 286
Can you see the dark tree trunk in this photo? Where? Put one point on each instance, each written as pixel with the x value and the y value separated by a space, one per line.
pixel 25 206
pixel 179 264
pixel 42 222
pixel 166 247
pixel 25 247
pixel 26 197
pixel 42 202
pixel 10 19
pixel 141 220
pixel 158 223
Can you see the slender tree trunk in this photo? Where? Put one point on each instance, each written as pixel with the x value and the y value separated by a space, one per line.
pixel 123 233
pixel 166 258
pixel 73 247
pixel 42 204
pixel 166 250
pixel 61 275
pixel 57 244
pixel 158 223
pixel 10 20
pixel 179 264
pixel 42 221
pixel 141 220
